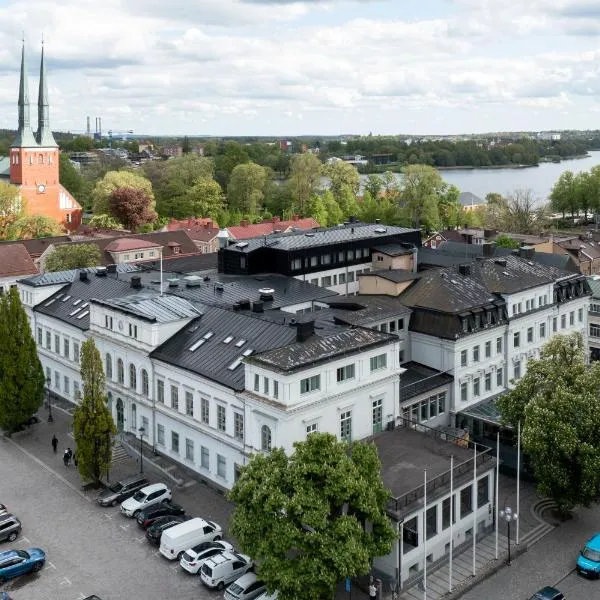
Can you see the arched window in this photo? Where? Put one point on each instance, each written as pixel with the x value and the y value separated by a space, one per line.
pixel 145 384
pixel 108 360
pixel 40 159
pixel 265 438
pixel 132 377
pixel 120 371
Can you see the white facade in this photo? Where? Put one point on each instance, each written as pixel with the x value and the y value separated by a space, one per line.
pixel 342 280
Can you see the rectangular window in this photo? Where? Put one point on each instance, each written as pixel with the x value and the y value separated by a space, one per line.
pixel 464 393
pixel 57 380
pixel 204 410
pixel 442 403
pixel 483 491
pixel 378 362
pixel 342 278
pixel 256 382
pixel 67 387
pixel 221 466
pixel 314 261
pixel 160 391
pixel 310 384
pixel 326 259
pixel 48 340
pixel 529 335
pixel 580 315
pixel 350 276
pixel 476 354
pixel 66 348
pixel 563 321
pixel 57 344
pixel 498 345
pixel 424 412
pixel 76 352
pixel 189 449
pixel 488 382
pixel 488 349
pixel 542 330
pixel 346 426
pixel 499 378
pixel 476 390
pixel 400 324
pixel 189 404
pixel 160 434
pixel 517 370
pixel 76 391
pixel 466 501
pixel 238 425
pixel 446 513
pixel 275 388
pixel 431 521
pixel 312 428
pixel 572 318
pixel 594 330
pixel 326 281
pixel 266 386
pixel 554 324
pixel 377 415
pixel 463 358
pixel 516 339
pixel 133 331
pixel 174 442
pixel 204 458
pixel 174 397
pixel 221 418
pixel 296 264
pixel 108 322
pixel 345 373
pixel 40 336
pixel 392 326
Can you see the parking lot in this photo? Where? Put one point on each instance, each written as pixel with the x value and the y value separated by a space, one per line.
pixel 89 549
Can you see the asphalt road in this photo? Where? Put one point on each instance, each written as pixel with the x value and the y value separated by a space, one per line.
pixel 90 550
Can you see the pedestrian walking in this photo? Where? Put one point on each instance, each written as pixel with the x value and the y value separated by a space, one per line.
pixel 75 458
pixel 54 443
pixel 372 590
pixel 67 456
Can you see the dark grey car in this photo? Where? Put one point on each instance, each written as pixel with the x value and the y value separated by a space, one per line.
pixel 10 527
pixel 122 490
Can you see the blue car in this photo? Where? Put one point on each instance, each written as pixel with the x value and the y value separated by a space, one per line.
pixel 19 562
pixel 588 562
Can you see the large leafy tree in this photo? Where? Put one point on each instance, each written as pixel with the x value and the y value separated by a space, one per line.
pixel 132 207
pixel 11 207
pixel 422 187
pixel 93 425
pixel 344 181
pixel 33 226
pixel 246 189
pixel 305 180
pixel 69 176
pixel 302 517
pixel 73 256
pixel 114 180
pixel 558 405
pixel 563 196
pixel 21 374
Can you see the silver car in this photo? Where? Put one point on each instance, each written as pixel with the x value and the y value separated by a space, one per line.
pixel 247 587
pixel 10 527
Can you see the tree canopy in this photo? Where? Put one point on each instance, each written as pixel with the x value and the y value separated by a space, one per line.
pixel 302 517
pixel 33 226
pixel 69 176
pixel 11 207
pixel 132 207
pixel 246 188
pixel 73 256
pixel 21 374
pixel 305 179
pixel 93 425
pixel 558 404
pixel 118 179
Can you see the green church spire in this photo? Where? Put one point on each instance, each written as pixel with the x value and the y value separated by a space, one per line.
pixel 44 133
pixel 24 137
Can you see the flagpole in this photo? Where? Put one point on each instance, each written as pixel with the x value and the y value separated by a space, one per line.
pixel 518 479
pixel 497 485
pixel 474 501
pixel 161 271
pixel 451 520
pixel 425 534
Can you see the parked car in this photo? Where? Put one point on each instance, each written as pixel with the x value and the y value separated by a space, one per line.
pixel 162 509
pixel 247 587
pixel 588 562
pixel 142 499
pixel 5 596
pixel 267 596
pixel 19 562
pixel 122 490
pixel 220 570
pixel 155 531
pixel 176 540
pixel 3 509
pixel 548 593
pixel 10 527
pixel 193 558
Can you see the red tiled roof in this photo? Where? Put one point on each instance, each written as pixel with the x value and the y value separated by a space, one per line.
pixel 15 261
pixel 242 232
pixel 124 244
pixel 191 224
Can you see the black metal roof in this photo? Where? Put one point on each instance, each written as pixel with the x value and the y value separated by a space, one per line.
pixel 318 349
pixel 60 277
pixel 419 379
pixel 394 249
pixel 395 275
pixel 366 311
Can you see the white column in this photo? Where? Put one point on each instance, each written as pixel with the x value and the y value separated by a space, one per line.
pixel 497 485
pixel 474 502
pixel 518 479
pixel 451 523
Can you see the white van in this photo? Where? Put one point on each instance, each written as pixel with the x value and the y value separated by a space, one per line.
pixel 176 540
pixel 220 570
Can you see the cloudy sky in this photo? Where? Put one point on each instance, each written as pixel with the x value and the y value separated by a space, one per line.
pixel 281 67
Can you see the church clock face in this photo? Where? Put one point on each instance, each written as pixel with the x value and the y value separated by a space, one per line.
pixel 41 188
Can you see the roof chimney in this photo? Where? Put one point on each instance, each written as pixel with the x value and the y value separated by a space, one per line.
pixel 136 282
pixel 464 269
pixel 83 276
pixel 304 330
pixel 257 306
pixel 488 249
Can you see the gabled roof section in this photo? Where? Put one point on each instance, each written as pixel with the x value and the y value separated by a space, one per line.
pixel 153 308
pixel 59 277
pixel 366 311
pixel 126 243
pixel 394 249
pixel 15 261
pixel 251 230
pixel 37 246
pixel 319 349
pixel 395 275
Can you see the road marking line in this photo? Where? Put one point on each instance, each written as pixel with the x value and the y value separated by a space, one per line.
pixel 49 564
pixel 26 540
pixel 65 581
pixel 141 539
pixel 175 567
pixel 124 527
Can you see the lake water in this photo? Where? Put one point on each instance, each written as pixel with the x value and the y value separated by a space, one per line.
pixel 504 181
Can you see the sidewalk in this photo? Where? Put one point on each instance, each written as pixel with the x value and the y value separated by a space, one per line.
pixel 198 498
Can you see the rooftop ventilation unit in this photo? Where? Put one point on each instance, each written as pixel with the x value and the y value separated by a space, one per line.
pixel 219 287
pixel 309 234
pixel 241 245
pixel 136 282
pixel 173 282
pixel 464 269
pixel 501 262
pixel 206 278
pixel 266 294
pixel 243 304
pixel 83 276
pixel 257 306
pixel 100 271
pixel 380 230
pixel 192 281
pixel 111 269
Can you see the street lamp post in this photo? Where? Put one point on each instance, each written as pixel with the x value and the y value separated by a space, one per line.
pixel 49 397
pixel 141 430
pixel 508 515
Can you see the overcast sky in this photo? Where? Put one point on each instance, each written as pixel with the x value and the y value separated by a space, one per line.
pixel 277 67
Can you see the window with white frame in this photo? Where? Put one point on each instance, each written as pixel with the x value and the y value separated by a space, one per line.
pixel 346 425
pixel 498 345
pixel 265 438
pixel 76 389
pixel 580 315
pixel 57 380
pixel 464 392
pixel 476 390
pixel 66 348
pixel 310 384
pixel 189 449
pixel 554 324
pixel 160 391
pixel 132 376
pixel 345 373
pixel 529 335
pixel 221 466
pixel 266 385
pixel 174 442
pixel 572 318
pixel 594 330
pixel 145 383
pixel 204 457
pixel 120 371
pixel 67 387
pixel 542 330
pixel 221 418
pixel 476 354
pixel 189 404
pixel 311 428
pixel 174 397
pixel 378 362
pixel 463 358
pixel 76 355
pixel 499 377
pixel 563 321
pixel 488 382
pixel 108 366
pixel 256 382
pixel 48 340
pixel 377 415
pixel 517 369
pixel 204 410
pixel 238 425
pixel 275 388
pixel 160 434
pixel 488 349
pixel 40 336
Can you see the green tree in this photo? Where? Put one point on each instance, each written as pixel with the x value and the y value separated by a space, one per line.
pixel 93 425
pixel 305 180
pixel 69 176
pixel 73 256
pixel 21 373
pixel 229 156
pixel 374 185
pixel 317 210
pixel 33 226
pixel 421 189
pixel 505 241
pixel 11 207
pixel 449 207
pixel 118 179
pixel 302 517
pixel 246 189
pixel 335 216
pixel 557 403
pixel 105 222
pixel 204 199
pixel 186 146
pixel 345 180
pixel 563 196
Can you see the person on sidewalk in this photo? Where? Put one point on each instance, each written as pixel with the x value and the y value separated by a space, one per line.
pixel 67 456
pixel 54 443
pixel 372 590
pixel 75 458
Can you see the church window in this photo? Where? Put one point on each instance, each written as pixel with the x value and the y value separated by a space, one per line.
pixel 40 159
pixel 31 159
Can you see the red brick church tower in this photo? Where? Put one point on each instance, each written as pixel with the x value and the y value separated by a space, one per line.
pixel 34 160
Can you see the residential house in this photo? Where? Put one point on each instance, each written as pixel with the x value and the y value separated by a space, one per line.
pixel 470 201
pixel 15 263
pixel 203 231
pixel 246 230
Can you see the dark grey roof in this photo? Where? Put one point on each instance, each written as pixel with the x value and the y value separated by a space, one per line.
pixel 153 307
pixel 419 379
pixel 317 349
pixel 594 286
pixel 430 257
pixel 394 249
pixel 68 276
pixel 212 358
pixel 395 275
pixel 366 311
pixel 321 237
pixel 184 264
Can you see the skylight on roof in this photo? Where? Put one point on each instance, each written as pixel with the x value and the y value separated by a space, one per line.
pixel 248 352
pixel 83 314
pixel 240 343
pixel 208 335
pixel 84 305
pixel 66 298
pixel 228 339
pixel 235 364
pixel 74 312
pixel 196 345
pixel 49 302
pixel 77 302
